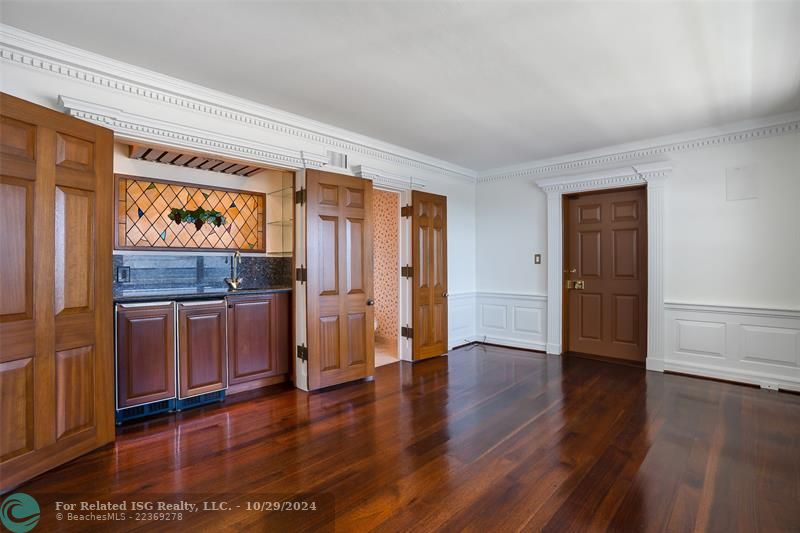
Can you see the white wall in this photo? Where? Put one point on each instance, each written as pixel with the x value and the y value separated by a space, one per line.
pixel 741 253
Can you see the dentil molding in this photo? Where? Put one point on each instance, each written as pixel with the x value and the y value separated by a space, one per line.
pixel 607 179
pixel 39 53
pixel 647 150
pixel 136 128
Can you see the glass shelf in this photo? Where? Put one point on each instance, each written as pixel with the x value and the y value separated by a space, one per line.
pixel 280 215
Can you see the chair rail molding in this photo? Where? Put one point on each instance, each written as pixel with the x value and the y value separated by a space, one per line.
pixel 32 51
pixel 654 176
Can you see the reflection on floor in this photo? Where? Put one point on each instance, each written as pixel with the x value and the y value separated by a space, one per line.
pixel 385 351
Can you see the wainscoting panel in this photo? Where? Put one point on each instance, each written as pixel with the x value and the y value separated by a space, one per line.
pixel 518 320
pixel 461 319
pixel 758 346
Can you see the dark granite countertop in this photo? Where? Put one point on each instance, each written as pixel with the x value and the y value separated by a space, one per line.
pixel 189 293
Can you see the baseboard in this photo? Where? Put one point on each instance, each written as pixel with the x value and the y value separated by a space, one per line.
pixel 760 379
pixel 511 343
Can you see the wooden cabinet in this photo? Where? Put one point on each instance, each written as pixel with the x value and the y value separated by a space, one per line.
pixel 202 352
pixel 56 328
pixel 145 353
pixel 258 337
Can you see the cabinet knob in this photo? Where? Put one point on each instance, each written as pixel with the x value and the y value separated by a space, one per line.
pixel 370 302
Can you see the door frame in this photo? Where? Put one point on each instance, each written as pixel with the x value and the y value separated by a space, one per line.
pixel 653 176
pixel 404 347
pixel 565 199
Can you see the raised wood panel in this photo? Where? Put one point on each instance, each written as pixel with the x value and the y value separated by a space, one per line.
pixel 356 333
pixel 330 349
pixel 16 259
pixel 423 249
pixel 145 355
pixel 252 342
pixel 17 138
pixel 589 259
pixel 74 251
pixel 625 253
pixel 202 352
pixel 74 153
pixel 354 198
pixel 589 214
pixel 75 385
pixel 625 211
pixel 591 316
pixel 354 231
pixel 328 265
pixel 625 318
pixel 328 195
pixel 16 408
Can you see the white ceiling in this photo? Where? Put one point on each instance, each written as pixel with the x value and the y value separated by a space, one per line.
pixel 480 84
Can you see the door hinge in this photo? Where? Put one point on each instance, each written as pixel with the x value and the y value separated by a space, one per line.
pixel 300 196
pixel 302 353
pixel 301 274
pixel 407 332
pixel 407 271
pixel 406 211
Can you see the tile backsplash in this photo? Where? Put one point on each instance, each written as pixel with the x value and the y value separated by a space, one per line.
pixel 172 271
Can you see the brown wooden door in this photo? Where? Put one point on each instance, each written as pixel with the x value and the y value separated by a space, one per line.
pixel 56 326
pixel 429 255
pixel 202 348
pixel 145 354
pixel 341 335
pixel 606 248
pixel 258 337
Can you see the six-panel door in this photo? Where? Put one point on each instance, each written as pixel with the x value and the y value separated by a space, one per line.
pixel 607 250
pixel 145 354
pixel 202 348
pixel 341 337
pixel 56 328
pixel 429 255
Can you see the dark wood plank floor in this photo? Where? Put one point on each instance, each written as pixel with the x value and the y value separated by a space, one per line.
pixel 486 439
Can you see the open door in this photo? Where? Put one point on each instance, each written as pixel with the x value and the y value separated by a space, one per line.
pixel 429 293
pixel 56 328
pixel 341 337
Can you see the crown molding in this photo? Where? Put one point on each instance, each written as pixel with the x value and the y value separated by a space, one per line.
pixel 39 53
pixel 389 180
pixel 652 148
pixel 653 174
pixel 136 128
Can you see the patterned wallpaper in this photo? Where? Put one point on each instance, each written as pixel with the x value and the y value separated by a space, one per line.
pixel 386 216
pixel 143 206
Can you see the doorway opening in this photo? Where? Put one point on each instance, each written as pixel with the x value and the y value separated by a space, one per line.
pixel 386 275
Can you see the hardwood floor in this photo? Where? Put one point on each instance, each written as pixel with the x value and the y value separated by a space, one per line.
pixel 486 439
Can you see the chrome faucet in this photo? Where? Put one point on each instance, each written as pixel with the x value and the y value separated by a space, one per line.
pixel 235 281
